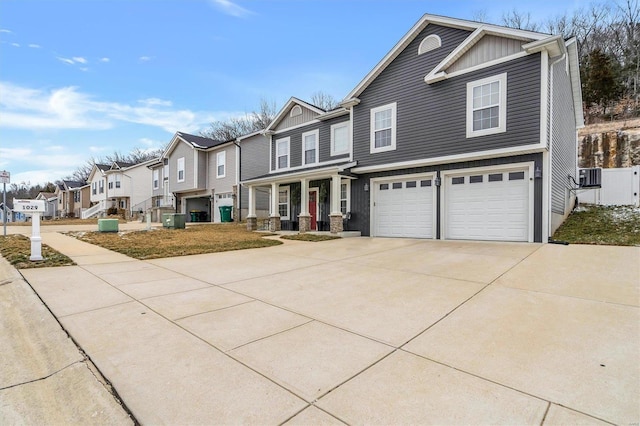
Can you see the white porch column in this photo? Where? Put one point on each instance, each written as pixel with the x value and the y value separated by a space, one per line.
pixel 304 197
pixel 252 201
pixel 275 193
pixel 335 195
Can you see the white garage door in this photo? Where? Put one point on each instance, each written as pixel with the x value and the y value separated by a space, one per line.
pixel 488 206
pixel 404 208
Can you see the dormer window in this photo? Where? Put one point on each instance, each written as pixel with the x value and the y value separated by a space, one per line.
pixel 429 43
pixel 295 111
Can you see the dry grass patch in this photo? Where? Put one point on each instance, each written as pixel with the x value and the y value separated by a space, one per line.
pixel 163 242
pixel 68 221
pixel 309 237
pixel 16 249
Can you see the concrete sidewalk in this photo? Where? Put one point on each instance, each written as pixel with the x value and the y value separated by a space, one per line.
pixel 360 331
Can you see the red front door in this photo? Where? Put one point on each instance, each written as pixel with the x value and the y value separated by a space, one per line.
pixel 312 209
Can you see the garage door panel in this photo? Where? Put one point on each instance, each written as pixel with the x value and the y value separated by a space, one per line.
pixel 405 209
pixel 488 206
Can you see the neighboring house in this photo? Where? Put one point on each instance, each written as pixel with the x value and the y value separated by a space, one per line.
pixel 11 215
pixel 50 204
pixel 200 173
pixel 73 198
pixel 122 186
pixel 254 149
pixel 304 160
pixel 463 130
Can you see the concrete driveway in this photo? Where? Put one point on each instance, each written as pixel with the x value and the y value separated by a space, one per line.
pixel 360 331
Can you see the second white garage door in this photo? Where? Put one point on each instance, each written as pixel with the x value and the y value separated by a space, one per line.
pixel 404 208
pixel 491 205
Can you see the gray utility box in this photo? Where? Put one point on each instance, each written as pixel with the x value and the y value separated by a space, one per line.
pixel 108 225
pixel 173 220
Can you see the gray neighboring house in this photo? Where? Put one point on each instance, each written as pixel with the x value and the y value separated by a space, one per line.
pixel 463 131
pixel 199 175
pixel 50 203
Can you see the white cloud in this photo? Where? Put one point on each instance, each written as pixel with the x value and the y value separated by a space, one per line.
pixel 15 44
pixel 65 60
pixel 104 59
pixel 144 58
pixel 230 8
pixel 54 148
pixel 68 108
pixel 34 46
pixel 84 69
pixel 79 59
pixel 3 30
pixel 97 148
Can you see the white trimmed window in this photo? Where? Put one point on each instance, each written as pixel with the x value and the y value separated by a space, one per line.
pixel 295 111
pixel 101 186
pixel 383 128
pixel 283 203
pixel 118 181
pixel 340 138
pixel 310 147
pixel 110 179
pixel 429 43
pixel 487 106
pixel 180 168
pixel 94 188
pixel 345 199
pixel 221 159
pixel 282 153
pixel 156 179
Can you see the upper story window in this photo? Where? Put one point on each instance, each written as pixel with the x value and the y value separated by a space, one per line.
pixel 180 168
pixel 94 188
pixel 310 147
pixel 118 180
pixel 340 138
pixel 76 196
pixel 221 159
pixel 487 106
pixel 156 179
pixel 383 128
pixel 282 153
pixel 101 186
pixel 110 181
pixel 283 202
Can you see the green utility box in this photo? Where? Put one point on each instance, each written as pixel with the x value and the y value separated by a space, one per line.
pixel 173 220
pixel 225 213
pixel 107 225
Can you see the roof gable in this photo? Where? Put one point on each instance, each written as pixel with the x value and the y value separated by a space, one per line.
pixel 294 113
pixel 477 30
pixel 195 142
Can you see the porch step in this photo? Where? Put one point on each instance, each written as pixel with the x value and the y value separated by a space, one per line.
pixel 349 234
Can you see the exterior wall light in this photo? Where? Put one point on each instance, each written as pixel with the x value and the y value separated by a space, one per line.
pixel 366 187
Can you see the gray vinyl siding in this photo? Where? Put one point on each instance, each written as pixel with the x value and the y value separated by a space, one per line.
pixel 254 157
pixel 186 151
pixel 487 49
pixel 563 138
pixel 225 184
pixel 360 200
pixel 288 121
pixel 157 192
pixel 295 142
pixel 201 183
pixel 431 118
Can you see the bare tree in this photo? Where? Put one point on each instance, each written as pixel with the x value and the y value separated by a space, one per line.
pixel 324 100
pixel 519 20
pixel 224 130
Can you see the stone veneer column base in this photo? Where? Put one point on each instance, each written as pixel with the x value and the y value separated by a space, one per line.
pixel 335 223
pixel 304 223
pixel 274 224
pixel 252 223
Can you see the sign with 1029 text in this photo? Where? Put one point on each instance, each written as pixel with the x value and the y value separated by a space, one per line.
pixel 28 206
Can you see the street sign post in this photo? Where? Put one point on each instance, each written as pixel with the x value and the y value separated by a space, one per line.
pixel 35 208
pixel 5 178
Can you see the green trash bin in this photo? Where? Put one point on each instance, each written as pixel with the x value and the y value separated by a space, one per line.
pixel 225 213
pixel 194 215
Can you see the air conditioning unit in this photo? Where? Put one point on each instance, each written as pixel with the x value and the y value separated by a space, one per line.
pixel 590 178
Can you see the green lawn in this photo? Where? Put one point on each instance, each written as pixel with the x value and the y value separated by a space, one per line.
pixel 615 225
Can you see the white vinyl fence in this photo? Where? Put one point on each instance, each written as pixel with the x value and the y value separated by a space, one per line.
pixel 620 187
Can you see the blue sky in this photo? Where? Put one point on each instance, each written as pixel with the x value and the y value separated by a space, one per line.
pixel 82 79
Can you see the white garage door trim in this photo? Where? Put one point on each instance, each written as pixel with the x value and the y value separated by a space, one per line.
pixel 446 175
pixel 373 227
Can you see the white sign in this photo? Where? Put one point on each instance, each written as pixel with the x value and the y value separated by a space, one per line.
pixel 28 206
pixel 5 176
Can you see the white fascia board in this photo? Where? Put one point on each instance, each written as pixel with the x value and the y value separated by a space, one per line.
pixel 481 155
pixel 333 114
pixel 309 174
pixel 554 45
pixel 285 109
pixel 452 57
pixel 248 135
pixel 174 141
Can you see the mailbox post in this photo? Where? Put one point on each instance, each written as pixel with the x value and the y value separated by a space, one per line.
pixel 35 208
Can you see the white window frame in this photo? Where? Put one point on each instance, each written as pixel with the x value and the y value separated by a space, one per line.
pixel 288 203
pixel 94 188
pixel 156 179
pixel 502 106
pixel 393 107
pixel 180 168
pixel 118 180
pixel 335 127
pixel 278 141
pixel 316 134
pixel 346 182
pixel 101 186
pixel 221 161
pixel 110 180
